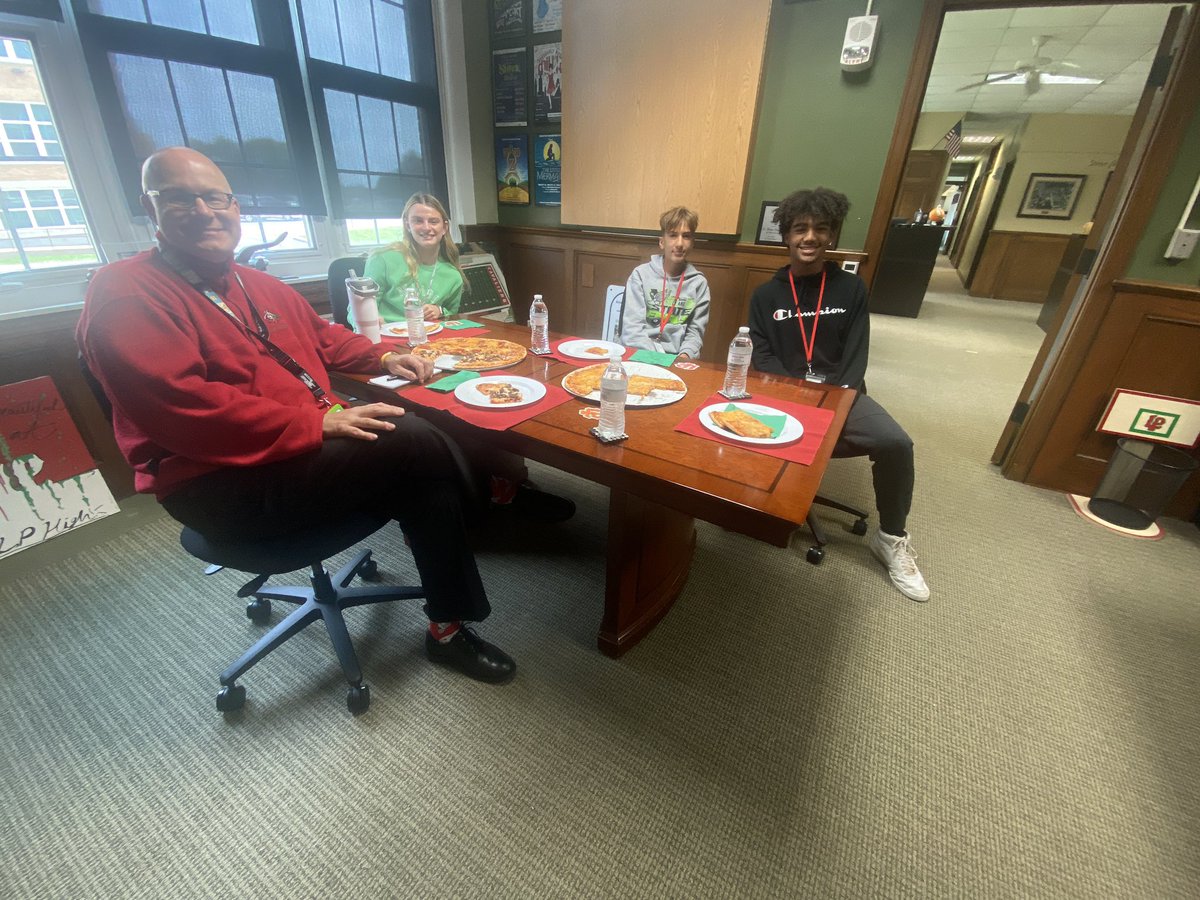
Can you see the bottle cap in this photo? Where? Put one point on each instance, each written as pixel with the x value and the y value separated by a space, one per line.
pixel 537 297
pixel 744 329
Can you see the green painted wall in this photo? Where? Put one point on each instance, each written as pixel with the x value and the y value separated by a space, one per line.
pixel 1148 262
pixel 817 126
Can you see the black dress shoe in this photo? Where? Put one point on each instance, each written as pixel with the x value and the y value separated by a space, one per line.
pixel 470 654
pixel 538 506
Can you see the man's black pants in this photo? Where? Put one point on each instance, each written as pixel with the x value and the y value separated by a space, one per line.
pixel 413 474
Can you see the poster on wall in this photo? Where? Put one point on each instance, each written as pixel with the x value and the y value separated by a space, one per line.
pixel 512 170
pixel 547 170
pixel 547 82
pixel 508 17
pixel 508 87
pixel 547 15
pixel 49 483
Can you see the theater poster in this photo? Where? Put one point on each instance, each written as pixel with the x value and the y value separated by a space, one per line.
pixel 512 170
pixel 508 17
pixel 49 483
pixel 547 170
pixel 547 15
pixel 508 86
pixel 547 82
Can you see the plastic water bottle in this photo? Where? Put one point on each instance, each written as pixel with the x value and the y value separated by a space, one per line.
pixel 539 325
pixel 361 293
pixel 614 386
pixel 414 317
pixel 737 364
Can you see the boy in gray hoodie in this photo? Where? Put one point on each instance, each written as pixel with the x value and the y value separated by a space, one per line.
pixel 666 299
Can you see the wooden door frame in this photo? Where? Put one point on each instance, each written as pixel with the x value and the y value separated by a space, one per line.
pixel 1180 98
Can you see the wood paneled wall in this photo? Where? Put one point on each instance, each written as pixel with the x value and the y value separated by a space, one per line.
pixel 659 108
pixel 1019 265
pixel 574 269
pixel 1147 341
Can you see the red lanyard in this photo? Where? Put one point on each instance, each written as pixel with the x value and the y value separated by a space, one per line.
pixel 665 312
pixel 808 343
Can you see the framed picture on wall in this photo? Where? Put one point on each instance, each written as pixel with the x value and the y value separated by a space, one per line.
pixel 512 169
pixel 768 231
pixel 1051 196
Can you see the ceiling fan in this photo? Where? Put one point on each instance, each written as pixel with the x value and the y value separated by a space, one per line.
pixel 1030 71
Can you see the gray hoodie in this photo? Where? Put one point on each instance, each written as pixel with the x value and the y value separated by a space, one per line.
pixel 687 315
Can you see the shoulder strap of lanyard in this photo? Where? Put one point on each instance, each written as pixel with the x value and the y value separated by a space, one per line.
pixel 259 332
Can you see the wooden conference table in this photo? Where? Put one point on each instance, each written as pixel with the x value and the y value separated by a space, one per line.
pixel 659 479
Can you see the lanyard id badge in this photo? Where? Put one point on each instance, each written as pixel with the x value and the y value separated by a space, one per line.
pixel 809 341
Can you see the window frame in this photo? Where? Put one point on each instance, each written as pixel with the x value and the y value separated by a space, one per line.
pixel 423 94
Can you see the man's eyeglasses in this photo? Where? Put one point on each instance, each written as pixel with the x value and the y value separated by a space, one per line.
pixel 175 199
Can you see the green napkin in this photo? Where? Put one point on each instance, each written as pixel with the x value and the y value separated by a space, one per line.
pixel 653 357
pixel 450 382
pixel 775 423
pixel 455 324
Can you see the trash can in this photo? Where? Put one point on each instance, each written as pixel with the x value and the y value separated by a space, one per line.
pixel 1139 482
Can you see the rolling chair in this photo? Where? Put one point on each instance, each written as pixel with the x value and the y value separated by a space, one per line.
pixel 816 552
pixel 339 271
pixel 325 598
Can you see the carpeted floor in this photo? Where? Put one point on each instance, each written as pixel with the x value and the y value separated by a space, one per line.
pixel 787 731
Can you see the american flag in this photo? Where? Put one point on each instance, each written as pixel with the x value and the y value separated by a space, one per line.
pixel 953 139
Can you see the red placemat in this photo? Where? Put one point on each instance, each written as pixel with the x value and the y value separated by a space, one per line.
pixel 494 419
pixel 575 361
pixel 814 419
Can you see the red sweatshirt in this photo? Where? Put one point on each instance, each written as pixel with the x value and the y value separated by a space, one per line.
pixel 191 390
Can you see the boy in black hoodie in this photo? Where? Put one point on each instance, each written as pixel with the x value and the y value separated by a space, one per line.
pixel 811 321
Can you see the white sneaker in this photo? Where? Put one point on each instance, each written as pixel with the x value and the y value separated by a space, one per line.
pixel 897 554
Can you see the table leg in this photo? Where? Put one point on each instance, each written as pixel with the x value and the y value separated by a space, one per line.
pixel 650 550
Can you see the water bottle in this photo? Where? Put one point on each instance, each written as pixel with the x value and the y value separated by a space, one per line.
pixel 737 364
pixel 539 325
pixel 614 385
pixel 414 317
pixel 361 293
pixel 919 216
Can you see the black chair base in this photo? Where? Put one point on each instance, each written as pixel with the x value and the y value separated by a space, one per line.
pixel 816 552
pixel 325 598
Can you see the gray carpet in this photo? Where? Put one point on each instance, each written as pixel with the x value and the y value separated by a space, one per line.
pixel 787 731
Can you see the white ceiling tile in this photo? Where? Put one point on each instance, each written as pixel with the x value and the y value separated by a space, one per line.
pixel 1136 14
pixel 990 37
pixel 1053 17
pixel 976 19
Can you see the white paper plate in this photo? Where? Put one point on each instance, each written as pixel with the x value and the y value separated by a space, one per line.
pixel 792 429
pixel 654 398
pixel 400 329
pixel 531 391
pixel 578 349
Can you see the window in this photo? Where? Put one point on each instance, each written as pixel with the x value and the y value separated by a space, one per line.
pixel 220 76
pixel 296 232
pixel 373 232
pixel 374 83
pixel 42 224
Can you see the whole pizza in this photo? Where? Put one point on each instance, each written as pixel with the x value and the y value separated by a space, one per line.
pixel 472 353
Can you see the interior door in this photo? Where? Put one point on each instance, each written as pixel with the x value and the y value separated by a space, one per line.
pixel 924 175
pixel 1102 228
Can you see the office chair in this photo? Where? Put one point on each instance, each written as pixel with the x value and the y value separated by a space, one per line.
pixel 816 552
pixel 325 598
pixel 339 271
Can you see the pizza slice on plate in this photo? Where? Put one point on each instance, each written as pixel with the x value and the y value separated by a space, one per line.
pixel 500 392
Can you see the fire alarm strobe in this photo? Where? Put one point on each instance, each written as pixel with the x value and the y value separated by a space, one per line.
pixel 858 49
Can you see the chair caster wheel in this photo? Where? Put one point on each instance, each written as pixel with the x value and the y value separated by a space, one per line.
pixel 230 698
pixel 815 555
pixel 369 571
pixel 859 527
pixel 258 610
pixel 358 698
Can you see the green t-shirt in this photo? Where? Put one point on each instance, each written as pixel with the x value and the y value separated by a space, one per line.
pixel 440 284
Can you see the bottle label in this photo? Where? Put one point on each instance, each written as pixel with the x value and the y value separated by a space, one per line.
pixel 739 356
